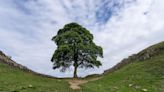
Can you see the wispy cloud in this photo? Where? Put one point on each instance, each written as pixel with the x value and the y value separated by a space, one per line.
pixel 121 27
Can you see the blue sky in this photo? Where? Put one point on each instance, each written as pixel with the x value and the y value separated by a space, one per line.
pixel 121 27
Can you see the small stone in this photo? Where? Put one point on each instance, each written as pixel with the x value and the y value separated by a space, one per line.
pixel 30 86
pixel 145 90
pixel 130 85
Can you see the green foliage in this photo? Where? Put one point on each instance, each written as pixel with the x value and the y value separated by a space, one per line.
pixel 75 47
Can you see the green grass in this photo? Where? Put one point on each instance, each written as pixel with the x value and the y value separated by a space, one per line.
pixel 14 80
pixel 135 77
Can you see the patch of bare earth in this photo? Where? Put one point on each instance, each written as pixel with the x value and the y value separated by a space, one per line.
pixel 75 83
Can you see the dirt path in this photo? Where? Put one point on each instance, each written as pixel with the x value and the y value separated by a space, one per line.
pixel 75 83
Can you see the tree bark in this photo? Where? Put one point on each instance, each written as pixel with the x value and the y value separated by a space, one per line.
pixel 75 71
pixel 75 62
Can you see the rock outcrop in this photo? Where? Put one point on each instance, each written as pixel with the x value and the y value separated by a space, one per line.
pixel 7 60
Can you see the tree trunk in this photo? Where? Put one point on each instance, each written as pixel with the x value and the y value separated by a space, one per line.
pixel 75 70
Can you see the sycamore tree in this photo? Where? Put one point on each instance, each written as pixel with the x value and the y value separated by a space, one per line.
pixel 75 47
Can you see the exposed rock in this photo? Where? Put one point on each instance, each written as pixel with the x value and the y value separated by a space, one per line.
pixel 30 86
pixel 130 85
pixel 145 90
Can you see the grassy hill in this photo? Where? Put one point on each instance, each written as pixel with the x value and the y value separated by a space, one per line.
pixel 142 72
pixel 135 77
pixel 15 80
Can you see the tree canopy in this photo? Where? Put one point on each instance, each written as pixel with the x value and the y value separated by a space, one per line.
pixel 75 47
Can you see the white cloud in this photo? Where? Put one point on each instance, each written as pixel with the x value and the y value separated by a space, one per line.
pixel 27 27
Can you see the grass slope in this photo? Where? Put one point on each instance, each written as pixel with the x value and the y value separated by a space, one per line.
pixel 15 80
pixel 135 77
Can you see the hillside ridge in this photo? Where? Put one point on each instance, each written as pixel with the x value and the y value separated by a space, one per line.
pixel 145 54
pixel 7 60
